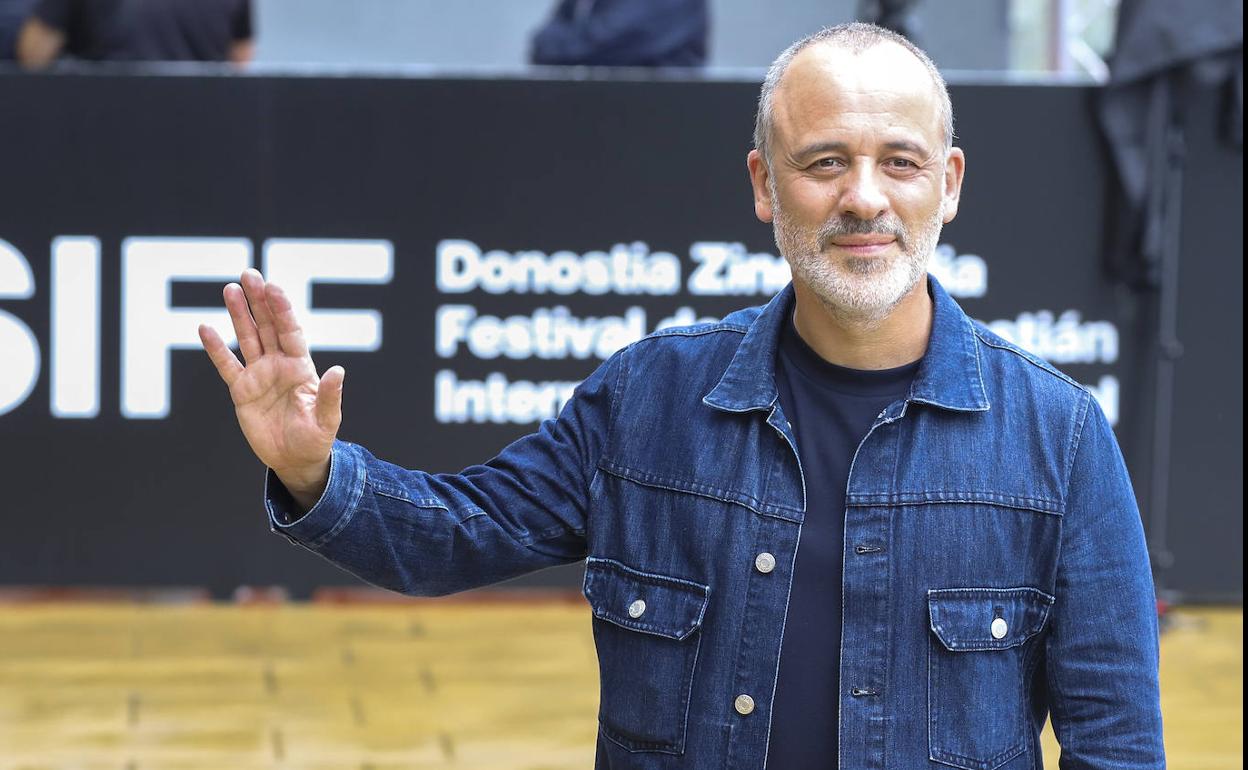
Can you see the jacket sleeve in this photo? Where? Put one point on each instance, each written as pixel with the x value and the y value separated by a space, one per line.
pixel 622 33
pixel 1102 650
pixel 433 534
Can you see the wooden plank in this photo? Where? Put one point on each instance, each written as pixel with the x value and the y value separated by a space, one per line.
pixel 420 685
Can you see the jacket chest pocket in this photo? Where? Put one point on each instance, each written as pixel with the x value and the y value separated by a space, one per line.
pixel 975 687
pixel 647 630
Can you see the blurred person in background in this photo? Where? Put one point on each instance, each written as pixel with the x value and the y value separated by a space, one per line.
pixel 895 15
pixel 12 14
pixel 137 30
pixel 624 33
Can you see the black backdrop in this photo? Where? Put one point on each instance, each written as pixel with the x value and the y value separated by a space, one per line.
pixel 403 164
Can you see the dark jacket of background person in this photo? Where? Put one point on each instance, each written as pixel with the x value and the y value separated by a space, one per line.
pixel 137 30
pixel 1161 57
pixel 12 14
pixel 624 33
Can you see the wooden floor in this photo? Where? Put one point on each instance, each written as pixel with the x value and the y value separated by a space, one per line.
pixel 430 685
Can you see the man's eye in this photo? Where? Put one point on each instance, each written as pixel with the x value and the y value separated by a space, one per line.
pixel 828 163
pixel 902 163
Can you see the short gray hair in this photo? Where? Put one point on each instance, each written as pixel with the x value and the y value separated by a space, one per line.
pixel 855 37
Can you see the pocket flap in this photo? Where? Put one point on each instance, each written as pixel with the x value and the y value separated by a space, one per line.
pixel 643 601
pixel 966 619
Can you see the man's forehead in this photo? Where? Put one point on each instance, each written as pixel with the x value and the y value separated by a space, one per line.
pixel 884 77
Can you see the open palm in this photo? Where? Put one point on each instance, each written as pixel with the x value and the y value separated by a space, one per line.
pixel 288 415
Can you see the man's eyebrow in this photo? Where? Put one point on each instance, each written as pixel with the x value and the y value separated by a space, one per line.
pixel 820 147
pixel 902 145
pixel 897 145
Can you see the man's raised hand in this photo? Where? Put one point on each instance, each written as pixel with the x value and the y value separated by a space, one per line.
pixel 288 415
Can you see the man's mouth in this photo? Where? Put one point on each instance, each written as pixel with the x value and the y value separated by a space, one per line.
pixel 864 245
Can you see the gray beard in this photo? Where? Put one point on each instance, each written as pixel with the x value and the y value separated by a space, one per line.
pixel 862 292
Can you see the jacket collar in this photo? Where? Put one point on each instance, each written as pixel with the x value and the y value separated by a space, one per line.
pixel 949 376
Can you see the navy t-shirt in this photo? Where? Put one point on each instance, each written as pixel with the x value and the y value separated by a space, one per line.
pixel 830 409
pixel 148 30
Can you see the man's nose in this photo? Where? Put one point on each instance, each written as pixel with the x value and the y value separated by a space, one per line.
pixel 862 194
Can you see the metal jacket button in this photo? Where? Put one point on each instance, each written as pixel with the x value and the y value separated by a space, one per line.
pixel 744 704
pixel 636 608
pixel 764 562
pixel 999 628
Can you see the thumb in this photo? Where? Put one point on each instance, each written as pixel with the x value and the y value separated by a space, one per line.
pixel 329 399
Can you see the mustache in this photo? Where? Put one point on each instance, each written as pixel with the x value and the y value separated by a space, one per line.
pixel 881 225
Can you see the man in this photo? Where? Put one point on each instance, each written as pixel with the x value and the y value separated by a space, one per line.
pixel 623 33
pixel 971 558
pixel 13 15
pixel 137 30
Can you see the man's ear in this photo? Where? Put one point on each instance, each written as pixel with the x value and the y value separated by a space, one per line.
pixel 955 166
pixel 759 177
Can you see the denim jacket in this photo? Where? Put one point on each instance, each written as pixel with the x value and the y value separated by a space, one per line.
pixel 994 569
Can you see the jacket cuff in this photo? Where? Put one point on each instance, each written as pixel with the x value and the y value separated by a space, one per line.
pixel 330 514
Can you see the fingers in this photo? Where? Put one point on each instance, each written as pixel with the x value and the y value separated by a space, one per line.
pixel 227 365
pixel 254 286
pixel 263 317
pixel 244 326
pixel 329 399
pixel 289 333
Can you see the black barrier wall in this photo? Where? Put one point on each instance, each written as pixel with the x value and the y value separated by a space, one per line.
pixel 469 249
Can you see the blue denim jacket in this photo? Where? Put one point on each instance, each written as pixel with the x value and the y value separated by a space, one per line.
pixel 994 568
